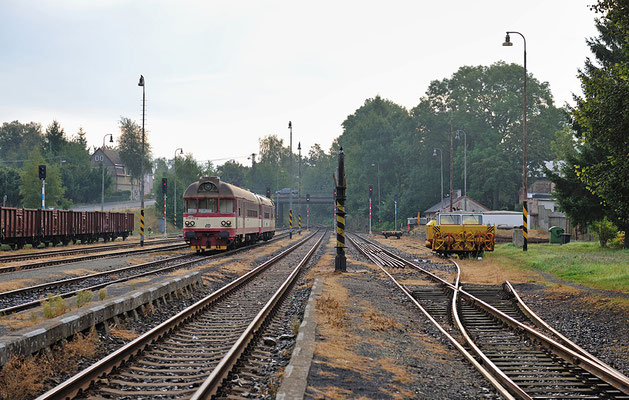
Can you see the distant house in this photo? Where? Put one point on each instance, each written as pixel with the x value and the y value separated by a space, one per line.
pixel 464 203
pixel 115 167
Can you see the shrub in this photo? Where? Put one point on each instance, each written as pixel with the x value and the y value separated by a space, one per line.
pixel 83 297
pixel 54 306
pixel 604 230
pixel 102 294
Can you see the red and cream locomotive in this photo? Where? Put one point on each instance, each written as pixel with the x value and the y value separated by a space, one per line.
pixel 218 215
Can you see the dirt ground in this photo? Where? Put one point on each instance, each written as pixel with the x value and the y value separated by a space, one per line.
pixel 371 345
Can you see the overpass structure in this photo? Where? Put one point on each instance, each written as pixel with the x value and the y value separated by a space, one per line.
pixel 282 199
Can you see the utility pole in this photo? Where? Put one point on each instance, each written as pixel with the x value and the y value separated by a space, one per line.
pixel 340 262
pixel 290 194
pixel 451 158
pixel 299 188
pixel 141 83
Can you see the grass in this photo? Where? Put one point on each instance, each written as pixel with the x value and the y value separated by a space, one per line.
pixel 585 263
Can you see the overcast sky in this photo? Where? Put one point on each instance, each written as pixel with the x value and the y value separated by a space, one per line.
pixel 222 74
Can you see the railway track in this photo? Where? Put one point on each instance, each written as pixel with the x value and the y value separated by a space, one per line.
pixel 121 253
pixel 522 356
pixel 189 355
pixel 29 297
pixel 87 249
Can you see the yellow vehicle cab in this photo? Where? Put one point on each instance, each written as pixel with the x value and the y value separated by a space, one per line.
pixel 461 233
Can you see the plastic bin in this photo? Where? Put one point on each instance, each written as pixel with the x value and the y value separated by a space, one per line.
pixel 555 234
pixel 565 238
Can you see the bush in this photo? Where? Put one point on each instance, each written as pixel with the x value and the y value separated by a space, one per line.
pixel 605 230
pixel 83 297
pixel 54 306
pixel 619 241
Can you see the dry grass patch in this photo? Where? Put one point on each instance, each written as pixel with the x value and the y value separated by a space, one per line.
pixel 379 322
pixel 79 271
pixel 15 284
pixel 407 244
pixel 122 333
pixel 333 392
pixel 333 311
pixel 19 321
pixel 137 281
pixel 489 272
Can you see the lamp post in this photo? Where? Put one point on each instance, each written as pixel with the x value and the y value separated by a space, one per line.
pixel 508 42
pixel 464 166
pixel 180 150
pixel 141 83
pixel 378 177
pixel 290 189
pixel 434 154
pixel 102 197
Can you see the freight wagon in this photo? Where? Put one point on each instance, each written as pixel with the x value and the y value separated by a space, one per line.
pixel 20 226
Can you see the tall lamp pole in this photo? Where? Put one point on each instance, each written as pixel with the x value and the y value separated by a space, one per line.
pixel 434 153
pixel 141 83
pixel 464 166
pixel 180 150
pixel 379 201
pixel 525 234
pixel 290 194
pixel 102 197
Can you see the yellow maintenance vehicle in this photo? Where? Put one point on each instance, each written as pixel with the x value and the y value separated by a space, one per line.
pixel 461 233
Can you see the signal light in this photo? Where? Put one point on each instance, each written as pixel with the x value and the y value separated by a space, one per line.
pixel 308 197
pixel 42 172
pixel 268 192
pixel 370 189
pixel 164 185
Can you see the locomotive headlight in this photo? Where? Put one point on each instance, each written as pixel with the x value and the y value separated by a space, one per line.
pixel 187 223
pixel 228 223
pixel 223 223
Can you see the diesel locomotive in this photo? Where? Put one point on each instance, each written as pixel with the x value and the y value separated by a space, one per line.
pixel 461 233
pixel 218 216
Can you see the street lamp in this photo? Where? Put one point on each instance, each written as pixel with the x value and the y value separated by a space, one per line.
pixel 180 150
pixel 102 197
pixel 434 154
pixel 290 189
pixel 141 83
pixel 379 202
pixel 464 166
pixel 508 42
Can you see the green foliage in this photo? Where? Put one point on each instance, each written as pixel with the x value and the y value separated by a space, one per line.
pixel 53 306
pixel 130 147
pixel 83 297
pixel 17 140
pixel 102 294
pixel 30 189
pixel 601 116
pixel 605 230
pixel 10 182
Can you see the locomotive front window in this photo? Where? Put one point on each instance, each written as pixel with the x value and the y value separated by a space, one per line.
pixel 473 219
pixel 449 219
pixel 208 205
pixel 227 206
pixel 191 205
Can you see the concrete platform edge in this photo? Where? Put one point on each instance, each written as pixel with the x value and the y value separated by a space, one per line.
pixel 30 340
pixel 295 380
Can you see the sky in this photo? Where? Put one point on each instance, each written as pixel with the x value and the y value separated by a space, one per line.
pixel 220 75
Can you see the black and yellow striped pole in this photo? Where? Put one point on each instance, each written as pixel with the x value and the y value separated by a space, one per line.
pixel 290 223
pixel 340 262
pixel 299 219
pixel 525 228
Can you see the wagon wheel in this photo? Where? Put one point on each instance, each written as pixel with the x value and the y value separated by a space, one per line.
pixel 469 241
pixel 439 242
pixel 459 241
pixel 489 241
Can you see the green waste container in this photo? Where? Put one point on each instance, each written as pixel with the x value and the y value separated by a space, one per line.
pixel 555 234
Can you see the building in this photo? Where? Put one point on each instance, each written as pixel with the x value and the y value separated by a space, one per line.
pixel 459 203
pixel 116 168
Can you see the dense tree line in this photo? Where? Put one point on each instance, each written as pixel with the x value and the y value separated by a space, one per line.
pixel 593 183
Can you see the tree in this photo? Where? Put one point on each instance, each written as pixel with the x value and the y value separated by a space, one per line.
pixel 10 182
pixel 601 116
pixel 17 140
pixel 30 189
pixel 54 139
pixel 130 147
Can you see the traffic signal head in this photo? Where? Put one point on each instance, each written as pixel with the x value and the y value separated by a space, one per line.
pixel 268 192
pixel 307 197
pixel 370 189
pixel 42 172
pixel 164 187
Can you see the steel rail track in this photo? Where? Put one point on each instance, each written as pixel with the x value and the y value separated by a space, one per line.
pixel 36 290
pixel 575 357
pixel 176 357
pixel 41 253
pixel 49 263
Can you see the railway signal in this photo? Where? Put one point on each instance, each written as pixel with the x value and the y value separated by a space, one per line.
pixel 370 194
pixel 268 192
pixel 164 192
pixel 42 176
pixel 395 223
pixel 340 262
pixel 308 211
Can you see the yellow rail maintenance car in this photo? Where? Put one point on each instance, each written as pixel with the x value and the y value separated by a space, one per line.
pixel 461 233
